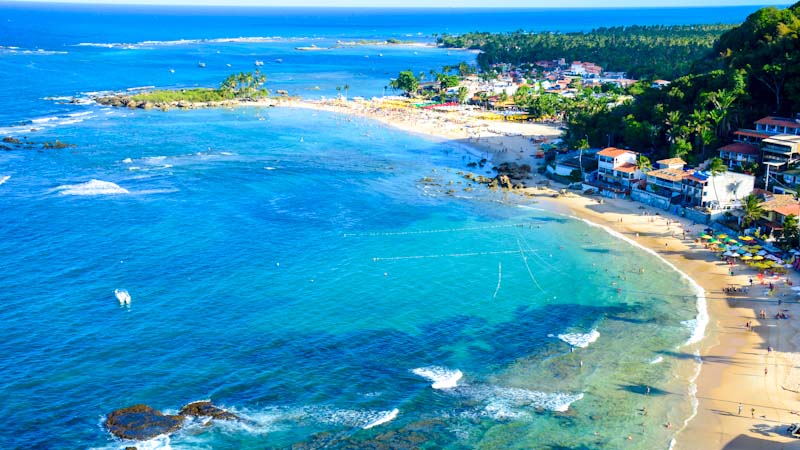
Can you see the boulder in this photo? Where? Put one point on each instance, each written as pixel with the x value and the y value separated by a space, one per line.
pixel 204 408
pixel 141 422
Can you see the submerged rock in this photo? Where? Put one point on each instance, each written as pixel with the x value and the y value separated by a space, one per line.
pixel 206 409
pixel 141 422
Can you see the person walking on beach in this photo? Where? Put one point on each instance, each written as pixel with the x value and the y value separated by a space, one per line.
pixel 740 409
pixel 753 413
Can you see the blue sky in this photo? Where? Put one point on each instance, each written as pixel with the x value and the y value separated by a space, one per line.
pixel 433 3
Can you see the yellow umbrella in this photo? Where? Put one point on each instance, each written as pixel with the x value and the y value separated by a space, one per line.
pixel 706 236
pixel 758 257
pixel 747 257
pixel 722 236
pixel 733 241
pixel 745 238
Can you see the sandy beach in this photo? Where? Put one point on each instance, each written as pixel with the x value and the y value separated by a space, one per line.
pixel 749 369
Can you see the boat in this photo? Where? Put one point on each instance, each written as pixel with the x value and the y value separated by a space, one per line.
pixel 259 63
pixel 279 60
pixel 201 65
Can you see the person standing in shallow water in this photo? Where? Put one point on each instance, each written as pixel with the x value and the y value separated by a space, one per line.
pixel 740 409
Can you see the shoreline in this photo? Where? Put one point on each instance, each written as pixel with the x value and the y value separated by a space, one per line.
pixel 719 343
pixel 732 359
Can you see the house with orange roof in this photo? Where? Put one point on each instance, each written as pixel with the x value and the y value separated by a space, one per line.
pixel 739 154
pixel 776 208
pixel 767 127
pixel 617 167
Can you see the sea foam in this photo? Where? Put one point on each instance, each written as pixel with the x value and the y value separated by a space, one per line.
pixel 388 417
pixel 442 378
pixel 4 179
pixel 92 187
pixel 503 403
pixel 581 340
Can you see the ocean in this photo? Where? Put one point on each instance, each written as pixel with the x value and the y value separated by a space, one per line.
pixel 334 282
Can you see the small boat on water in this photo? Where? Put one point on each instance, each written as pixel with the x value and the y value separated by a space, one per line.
pixel 259 63
pixel 279 61
pixel 201 65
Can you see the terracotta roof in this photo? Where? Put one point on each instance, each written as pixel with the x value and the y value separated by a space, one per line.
pixel 789 209
pixel 614 152
pixel 669 174
pixel 751 133
pixel 626 167
pixel 745 149
pixel 660 82
pixel 671 161
pixel 699 180
pixel 778 121
pixel 782 204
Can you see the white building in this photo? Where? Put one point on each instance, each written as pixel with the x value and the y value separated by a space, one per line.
pixel 723 191
pixel 617 167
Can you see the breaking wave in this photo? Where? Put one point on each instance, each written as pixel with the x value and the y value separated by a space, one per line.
pixel 151 44
pixel 92 187
pixel 581 340
pixel 442 378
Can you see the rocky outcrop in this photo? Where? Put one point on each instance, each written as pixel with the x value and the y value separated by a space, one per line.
pixel 204 408
pixel 141 422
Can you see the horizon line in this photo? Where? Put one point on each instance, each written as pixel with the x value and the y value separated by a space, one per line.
pixel 235 4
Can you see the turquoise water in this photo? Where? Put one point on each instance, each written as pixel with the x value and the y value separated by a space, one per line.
pixel 293 267
pixel 301 283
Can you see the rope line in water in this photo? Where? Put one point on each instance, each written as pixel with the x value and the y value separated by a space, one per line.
pixel 499 278
pixel 525 260
pixel 449 255
pixel 446 230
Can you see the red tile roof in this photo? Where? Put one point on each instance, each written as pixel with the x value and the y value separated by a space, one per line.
pixel 745 149
pixel 614 152
pixel 754 134
pixel 778 121
pixel 789 209
pixel 626 167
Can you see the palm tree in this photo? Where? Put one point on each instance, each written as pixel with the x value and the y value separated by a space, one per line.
pixel 790 231
pixel 752 210
pixel 463 92
pixel 346 88
pixel 716 167
pixel 643 164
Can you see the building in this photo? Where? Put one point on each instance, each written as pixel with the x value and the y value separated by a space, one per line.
pixel 776 207
pixel 670 163
pixel 739 154
pixel 658 84
pixel 667 183
pixel 584 69
pixel 767 127
pixel 720 192
pixel 617 167
pixel 781 151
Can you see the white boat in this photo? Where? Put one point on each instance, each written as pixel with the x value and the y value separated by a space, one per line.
pixel 259 63
pixel 201 65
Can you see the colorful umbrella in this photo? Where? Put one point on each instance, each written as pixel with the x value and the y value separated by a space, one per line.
pixel 706 236
pixel 722 236
pixel 745 238
pixel 758 258
pixel 747 257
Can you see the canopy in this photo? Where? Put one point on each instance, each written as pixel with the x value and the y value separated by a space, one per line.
pixel 758 258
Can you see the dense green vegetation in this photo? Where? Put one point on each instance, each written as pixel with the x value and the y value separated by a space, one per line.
pixel 244 85
pixel 642 51
pixel 753 71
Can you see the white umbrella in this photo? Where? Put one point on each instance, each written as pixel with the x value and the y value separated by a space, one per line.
pixel 728 254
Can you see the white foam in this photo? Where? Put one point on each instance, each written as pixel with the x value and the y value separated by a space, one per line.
pixel 146 44
pixel 127 161
pixel 123 296
pixel 442 378
pixel 511 403
pixel 44 119
pixel 390 416
pixel 657 360
pixel 4 179
pixel 581 340
pixel 701 321
pixel 93 187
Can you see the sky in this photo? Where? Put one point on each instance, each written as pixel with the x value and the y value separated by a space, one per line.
pixel 431 3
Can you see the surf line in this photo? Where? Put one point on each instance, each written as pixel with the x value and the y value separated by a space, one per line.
pixel 448 255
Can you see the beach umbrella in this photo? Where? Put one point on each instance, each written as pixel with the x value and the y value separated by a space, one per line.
pixel 761 252
pixel 706 236
pixel 728 254
pixel 713 241
pixel 758 258
pixel 745 238
pixel 747 257
pixel 722 236
pixel 732 241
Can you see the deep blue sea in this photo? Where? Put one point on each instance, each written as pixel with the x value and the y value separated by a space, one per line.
pixel 291 266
